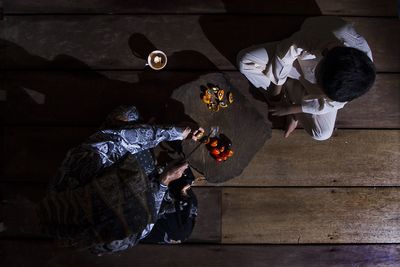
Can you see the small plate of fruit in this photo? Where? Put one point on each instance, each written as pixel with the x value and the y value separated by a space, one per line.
pixel 220 148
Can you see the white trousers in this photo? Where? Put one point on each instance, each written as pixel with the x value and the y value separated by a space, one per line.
pixel 252 62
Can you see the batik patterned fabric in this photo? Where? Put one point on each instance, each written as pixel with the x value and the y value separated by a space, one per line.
pixel 96 179
pixel 167 229
pixel 131 240
pixel 175 221
pixel 107 146
pixel 146 160
pixel 116 204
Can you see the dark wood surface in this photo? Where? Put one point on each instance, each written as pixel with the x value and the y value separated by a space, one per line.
pixel 42 109
pixel 379 107
pixel 305 215
pixel 271 215
pixel 85 97
pixel 44 253
pixel 35 153
pixel 310 7
pixel 208 222
pixel 12 194
pixel 240 122
pixel 191 41
pixel 368 157
pixel 38 153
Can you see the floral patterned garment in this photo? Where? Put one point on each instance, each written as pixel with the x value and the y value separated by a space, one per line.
pixel 121 134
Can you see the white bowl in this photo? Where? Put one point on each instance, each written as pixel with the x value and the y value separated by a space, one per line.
pixel 154 56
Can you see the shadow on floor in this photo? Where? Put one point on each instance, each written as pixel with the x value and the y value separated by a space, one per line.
pixel 85 96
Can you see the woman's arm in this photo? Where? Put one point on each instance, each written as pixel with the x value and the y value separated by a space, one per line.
pixel 140 137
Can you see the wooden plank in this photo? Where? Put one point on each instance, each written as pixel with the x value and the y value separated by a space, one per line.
pixel 37 152
pixel 208 221
pixel 111 42
pixel 381 105
pixel 309 7
pixel 304 215
pixel 350 158
pixel 357 8
pixel 94 94
pixel 91 94
pixel 44 253
pixel 114 41
pixel 371 157
pixel 378 32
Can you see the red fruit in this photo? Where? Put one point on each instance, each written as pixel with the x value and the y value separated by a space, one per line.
pixel 214 143
pixel 219 159
pixel 215 152
pixel 224 153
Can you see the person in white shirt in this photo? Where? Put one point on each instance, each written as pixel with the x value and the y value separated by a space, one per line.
pixel 320 68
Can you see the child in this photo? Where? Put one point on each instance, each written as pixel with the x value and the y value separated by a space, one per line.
pixel 328 64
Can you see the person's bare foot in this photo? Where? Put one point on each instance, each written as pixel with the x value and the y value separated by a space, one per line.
pixel 291 125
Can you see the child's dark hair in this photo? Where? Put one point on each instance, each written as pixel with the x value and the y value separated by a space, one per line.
pixel 346 73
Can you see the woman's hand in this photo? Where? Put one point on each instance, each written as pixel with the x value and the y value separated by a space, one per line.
pixel 173 174
pixel 198 134
pixel 186 132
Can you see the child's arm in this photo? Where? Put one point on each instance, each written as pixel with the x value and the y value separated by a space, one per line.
pixel 311 106
pixel 287 51
pixel 320 106
pixel 285 109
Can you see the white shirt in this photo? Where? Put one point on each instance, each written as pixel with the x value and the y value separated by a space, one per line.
pixel 297 57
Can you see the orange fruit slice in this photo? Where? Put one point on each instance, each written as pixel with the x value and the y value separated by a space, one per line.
pixel 220 94
pixel 230 97
pixel 223 104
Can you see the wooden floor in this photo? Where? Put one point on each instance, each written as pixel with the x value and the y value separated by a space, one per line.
pixel 65 64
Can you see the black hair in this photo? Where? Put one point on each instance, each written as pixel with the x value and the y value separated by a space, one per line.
pixel 345 73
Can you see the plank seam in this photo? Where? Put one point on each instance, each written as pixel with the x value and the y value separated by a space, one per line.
pixel 15 14
pixel 96 125
pixel 205 70
pixel 21 238
pixel 41 183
